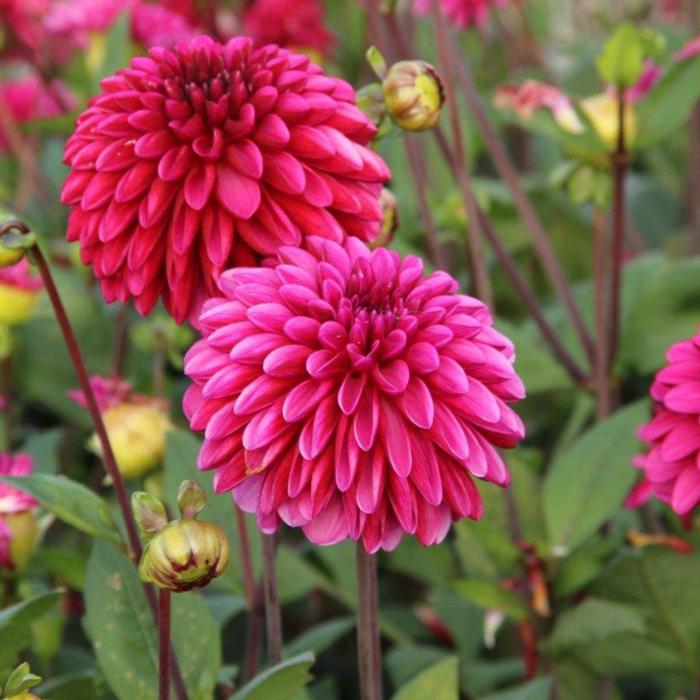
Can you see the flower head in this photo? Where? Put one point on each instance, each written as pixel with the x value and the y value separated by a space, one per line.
pixel 671 466
pixel 210 156
pixel 413 95
pixel 17 522
pixel 19 290
pixel 462 13
pixel 346 392
pixel 526 99
pixel 136 425
pixel 293 24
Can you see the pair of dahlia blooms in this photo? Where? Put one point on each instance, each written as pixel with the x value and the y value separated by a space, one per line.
pixel 340 389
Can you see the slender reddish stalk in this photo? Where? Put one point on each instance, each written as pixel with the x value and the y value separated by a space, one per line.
pixel 273 614
pixel 163 644
pixel 251 595
pixel 529 216
pixel 600 277
pixel 368 641
pixel 435 251
pixel 6 394
pixel 121 342
pixel 477 260
pixel 620 162
pixel 108 455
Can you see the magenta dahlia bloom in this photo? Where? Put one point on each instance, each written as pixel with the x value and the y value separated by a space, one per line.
pixel 12 502
pixel 294 24
pixel 672 465
pixel 207 157
pixel 462 13
pixel 345 392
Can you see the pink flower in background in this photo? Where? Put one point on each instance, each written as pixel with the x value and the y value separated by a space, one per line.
pixel 294 24
pixel 207 157
pixel 671 467
pixel 75 19
pixel 647 80
pixel 348 393
pixel 109 392
pixel 28 98
pixel 462 13
pixel 19 276
pixel 526 99
pixel 153 25
pixel 12 502
pixel 688 50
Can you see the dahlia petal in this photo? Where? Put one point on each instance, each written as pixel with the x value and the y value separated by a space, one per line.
pixel 350 393
pixel 392 378
pixel 366 422
pixel 304 398
pixel 682 441
pixel 199 186
pixel 246 158
pixel 287 361
pixel 260 393
pixel 684 398
pixel 329 526
pixel 238 193
pixel 686 491
pixel 417 404
pixel 270 317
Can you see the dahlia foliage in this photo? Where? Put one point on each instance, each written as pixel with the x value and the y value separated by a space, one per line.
pixel 347 392
pixel 13 503
pixel 195 160
pixel 672 465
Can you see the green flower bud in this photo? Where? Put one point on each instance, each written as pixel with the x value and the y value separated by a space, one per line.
pixel 413 95
pixel 19 683
pixel 23 537
pixel 185 554
pixel 390 221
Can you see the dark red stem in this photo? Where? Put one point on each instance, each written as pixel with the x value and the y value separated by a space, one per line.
pixel 369 655
pixel 273 614
pixel 163 644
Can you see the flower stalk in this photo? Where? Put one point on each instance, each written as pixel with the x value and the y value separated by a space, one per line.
pixel 273 613
pixel 109 460
pixel 163 644
pixel 600 276
pixel 368 641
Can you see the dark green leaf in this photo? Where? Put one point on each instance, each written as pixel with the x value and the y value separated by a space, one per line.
pixel 72 502
pixel 319 638
pixel 538 689
pixel 281 682
pixel 489 594
pixel 437 682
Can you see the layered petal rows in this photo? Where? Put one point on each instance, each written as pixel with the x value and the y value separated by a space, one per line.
pixel 346 392
pixel 210 156
pixel 672 465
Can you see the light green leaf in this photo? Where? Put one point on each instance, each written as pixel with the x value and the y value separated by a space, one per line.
pixel 319 638
pixel 592 621
pixel 622 59
pixel 489 594
pixel 587 483
pixel 120 625
pixel 15 624
pixel 437 682
pixel 71 502
pixel 281 682
pixel 539 689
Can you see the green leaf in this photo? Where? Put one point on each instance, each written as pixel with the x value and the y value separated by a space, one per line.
pixel 539 689
pixel 71 686
pixel 587 483
pixel 489 594
pixel 15 623
pixel 437 682
pixel 662 583
pixel 667 107
pixel 593 621
pixel 281 682
pixel 120 625
pixel 622 59
pixel 319 638
pixel 43 448
pixel 71 502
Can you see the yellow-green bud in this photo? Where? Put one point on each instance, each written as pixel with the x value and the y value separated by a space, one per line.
pixel 23 536
pixel 390 220
pixel 185 554
pixel 16 305
pixel 603 113
pixel 10 256
pixel 19 683
pixel 413 95
pixel 137 433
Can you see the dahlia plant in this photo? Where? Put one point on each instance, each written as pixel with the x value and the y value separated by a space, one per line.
pixel 312 383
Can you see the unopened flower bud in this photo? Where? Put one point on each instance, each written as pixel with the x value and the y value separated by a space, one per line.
pixel 413 95
pixel 19 290
pixel 10 256
pixel 149 513
pixel 22 530
pixel 185 554
pixel 603 113
pixel 390 220
pixel 137 433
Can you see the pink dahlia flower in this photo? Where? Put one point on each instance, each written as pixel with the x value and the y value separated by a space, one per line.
pixel 109 392
pixel 153 25
pixel 28 98
pixel 462 13
pixel 12 502
pixel 672 465
pixel 295 24
pixel 345 392
pixel 526 99
pixel 207 157
pixel 689 50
